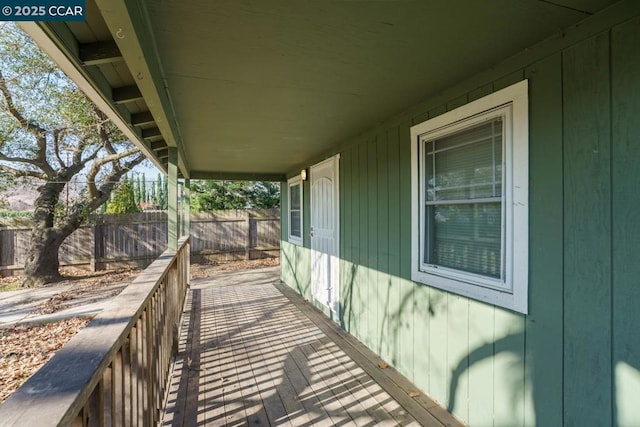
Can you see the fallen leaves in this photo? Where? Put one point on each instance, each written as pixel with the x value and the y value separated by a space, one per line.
pixel 414 394
pixel 383 365
pixel 26 349
pixel 86 289
pixel 53 304
pixel 207 270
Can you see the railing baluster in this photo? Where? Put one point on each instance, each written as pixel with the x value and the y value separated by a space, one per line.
pixel 78 421
pixel 133 374
pixel 151 317
pixel 95 407
pixel 126 382
pixel 139 374
pixel 162 343
pixel 107 394
pixel 142 367
pixel 158 350
pixel 116 387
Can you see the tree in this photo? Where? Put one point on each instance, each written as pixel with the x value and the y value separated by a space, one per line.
pixel 263 195
pixel 162 193
pixel 145 195
pixel 135 188
pixel 49 133
pixel 220 195
pixel 123 199
pixel 153 198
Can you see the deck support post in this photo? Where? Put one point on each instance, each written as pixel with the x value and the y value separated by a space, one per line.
pixel 172 197
pixel 187 206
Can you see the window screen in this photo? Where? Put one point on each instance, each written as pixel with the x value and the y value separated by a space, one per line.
pixel 295 211
pixel 463 212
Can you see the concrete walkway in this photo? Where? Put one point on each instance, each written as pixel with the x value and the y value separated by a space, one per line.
pixel 21 307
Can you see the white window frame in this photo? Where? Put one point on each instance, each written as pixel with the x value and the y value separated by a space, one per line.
pixel 511 290
pixel 297 180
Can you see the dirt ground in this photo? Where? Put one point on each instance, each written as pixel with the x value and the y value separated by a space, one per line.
pixel 24 349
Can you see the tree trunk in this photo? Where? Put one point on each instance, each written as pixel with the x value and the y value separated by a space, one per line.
pixel 42 264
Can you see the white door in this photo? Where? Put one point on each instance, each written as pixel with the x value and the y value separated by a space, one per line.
pixel 324 233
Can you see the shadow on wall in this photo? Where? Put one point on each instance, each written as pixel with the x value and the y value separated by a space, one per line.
pixel 392 321
pixel 347 309
pixel 295 267
pixel 510 345
pixel 625 381
pixel 519 368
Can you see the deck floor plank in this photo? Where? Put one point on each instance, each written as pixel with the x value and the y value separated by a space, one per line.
pixel 254 353
pixel 253 342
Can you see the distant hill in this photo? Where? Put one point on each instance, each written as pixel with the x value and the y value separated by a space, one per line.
pixel 20 198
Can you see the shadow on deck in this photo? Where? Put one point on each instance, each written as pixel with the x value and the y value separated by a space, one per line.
pixel 252 352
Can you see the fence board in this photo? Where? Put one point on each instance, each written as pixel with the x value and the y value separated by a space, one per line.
pixel 138 239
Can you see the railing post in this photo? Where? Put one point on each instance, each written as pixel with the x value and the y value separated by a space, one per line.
pixel 187 206
pixel 248 243
pixel 172 197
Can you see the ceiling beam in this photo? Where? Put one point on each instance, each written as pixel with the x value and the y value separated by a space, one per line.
pixel 238 176
pixel 129 23
pixel 151 133
pixel 156 145
pixel 120 95
pixel 163 154
pixel 140 119
pixel 97 53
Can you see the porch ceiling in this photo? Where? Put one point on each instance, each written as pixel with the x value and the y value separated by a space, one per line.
pixel 262 87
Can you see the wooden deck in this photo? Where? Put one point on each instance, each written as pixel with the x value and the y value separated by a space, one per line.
pixel 252 352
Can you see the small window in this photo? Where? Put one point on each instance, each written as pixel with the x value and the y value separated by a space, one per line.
pixel 470 203
pixel 295 210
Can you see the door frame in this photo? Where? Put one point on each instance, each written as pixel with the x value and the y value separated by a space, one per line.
pixel 335 161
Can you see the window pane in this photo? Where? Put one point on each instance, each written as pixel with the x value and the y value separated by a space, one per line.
pixel 465 165
pixel 294 224
pixel 482 132
pixel 295 196
pixel 466 237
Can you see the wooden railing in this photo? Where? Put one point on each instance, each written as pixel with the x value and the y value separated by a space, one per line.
pixel 114 372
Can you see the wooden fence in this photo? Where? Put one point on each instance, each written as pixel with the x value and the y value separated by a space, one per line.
pixel 135 240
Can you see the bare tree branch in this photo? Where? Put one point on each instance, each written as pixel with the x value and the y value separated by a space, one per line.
pixel 57 135
pixel 104 137
pixel 30 126
pixel 19 160
pixel 114 157
pixel 118 170
pixel 20 173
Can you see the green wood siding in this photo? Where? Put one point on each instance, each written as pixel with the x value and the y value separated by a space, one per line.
pixel 587 232
pixel 575 359
pixel 625 183
pixel 544 324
